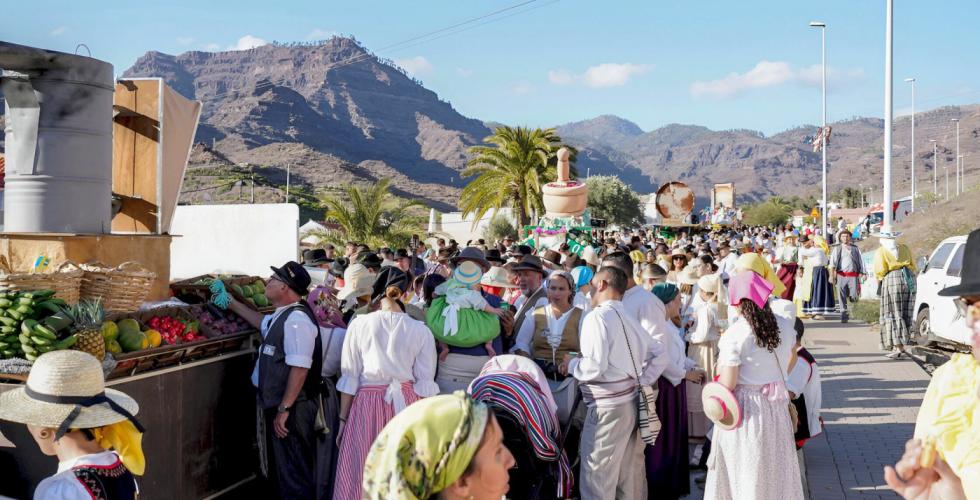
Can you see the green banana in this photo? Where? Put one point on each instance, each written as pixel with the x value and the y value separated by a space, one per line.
pixel 67 342
pixel 7 330
pixel 46 348
pixel 8 321
pixel 57 322
pixel 14 314
pixel 8 353
pixel 5 345
pixel 5 303
pixel 44 331
pixel 25 301
pixel 30 357
pixel 11 338
pixel 25 339
pixel 28 349
pixel 38 294
pixel 26 328
pixel 52 306
pixel 39 341
pixel 25 310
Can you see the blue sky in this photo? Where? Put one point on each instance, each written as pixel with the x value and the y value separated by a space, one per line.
pixel 719 63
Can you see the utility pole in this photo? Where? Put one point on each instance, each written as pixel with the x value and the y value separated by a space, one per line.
pixel 287 183
pixel 823 131
pixel 935 168
pixel 957 173
pixel 912 147
pixel 886 200
pixel 253 188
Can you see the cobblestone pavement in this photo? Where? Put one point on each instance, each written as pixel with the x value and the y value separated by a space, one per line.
pixel 869 407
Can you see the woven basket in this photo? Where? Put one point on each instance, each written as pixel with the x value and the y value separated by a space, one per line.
pixel 65 280
pixel 120 289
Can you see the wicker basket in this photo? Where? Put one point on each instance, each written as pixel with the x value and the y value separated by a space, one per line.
pixel 121 288
pixel 65 280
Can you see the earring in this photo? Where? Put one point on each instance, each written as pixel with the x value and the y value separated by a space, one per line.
pixel 44 434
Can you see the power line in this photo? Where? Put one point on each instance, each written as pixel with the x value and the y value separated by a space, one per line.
pixel 407 43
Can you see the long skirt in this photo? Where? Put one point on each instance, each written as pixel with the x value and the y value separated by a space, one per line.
pixel 457 371
pixel 666 460
pixel 369 413
pixel 897 302
pixel 787 274
pixel 757 459
pixel 821 294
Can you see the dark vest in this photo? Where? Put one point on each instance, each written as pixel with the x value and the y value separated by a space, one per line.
pixel 273 370
pixel 107 483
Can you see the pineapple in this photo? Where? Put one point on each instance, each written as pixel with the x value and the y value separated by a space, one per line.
pixel 87 318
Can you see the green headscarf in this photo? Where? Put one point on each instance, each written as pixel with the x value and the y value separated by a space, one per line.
pixel 425 448
pixel 665 292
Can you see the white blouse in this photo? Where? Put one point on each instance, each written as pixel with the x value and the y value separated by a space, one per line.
pixel 388 348
pixel 525 337
pixel 65 486
pixel 705 327
pixel 758 366
pixel 813 256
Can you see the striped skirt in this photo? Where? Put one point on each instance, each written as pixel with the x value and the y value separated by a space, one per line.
pixel 369 413
pixel 821 294
pixel 897 302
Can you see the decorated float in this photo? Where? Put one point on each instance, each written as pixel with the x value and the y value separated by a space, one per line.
pixel 566 218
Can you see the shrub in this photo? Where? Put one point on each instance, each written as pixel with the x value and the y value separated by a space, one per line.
pixel 866 310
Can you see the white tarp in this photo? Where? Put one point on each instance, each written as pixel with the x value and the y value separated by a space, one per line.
pixel 233 239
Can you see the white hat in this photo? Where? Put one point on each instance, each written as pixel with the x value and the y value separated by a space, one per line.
pixel 66 390
pixel 590 256
pixel 497 277
pixel 721 406
pixel 468 273
pixel 709 283
pixel 688 276
pixel 358 281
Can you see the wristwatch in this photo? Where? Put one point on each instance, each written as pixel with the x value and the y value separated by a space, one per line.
pixel 283 408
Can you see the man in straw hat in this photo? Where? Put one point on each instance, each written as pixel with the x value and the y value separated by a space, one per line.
pixel 92 430
pixel 287 378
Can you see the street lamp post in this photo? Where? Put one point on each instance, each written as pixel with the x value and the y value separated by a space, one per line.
pixel 886 199
pixel 935 168
pixel 912 206
pixel 957 173
pixel 959 168
pixel 823 131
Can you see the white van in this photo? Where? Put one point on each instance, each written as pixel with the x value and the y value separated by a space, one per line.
pixel 936 318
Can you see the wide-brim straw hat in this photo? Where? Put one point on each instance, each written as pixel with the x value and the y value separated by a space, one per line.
pixel 358 282
pixel 468 273
pixel 590 256
pixel 65 375
pixel 720 406
pixel 689 276
pixel 678 251
pixel 497 277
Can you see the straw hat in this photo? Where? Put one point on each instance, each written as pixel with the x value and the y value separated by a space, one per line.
pixel 468 273
pixel 497 277
pixel 590 256
pixel 678 251
pixel 689 276
pixel 709 283
pixel 358 281
pixel 61 382
pixel 720 406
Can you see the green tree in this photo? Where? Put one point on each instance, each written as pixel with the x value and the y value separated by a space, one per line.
pixel 848 197
pixel 611 199
pixel 765 214
pixel 510 171
pixel 373 216
pixel 499 228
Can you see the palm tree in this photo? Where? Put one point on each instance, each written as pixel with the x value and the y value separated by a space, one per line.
pixel 511 171
pixel 373 216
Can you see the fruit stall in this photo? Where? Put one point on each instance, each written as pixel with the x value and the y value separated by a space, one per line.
pixel 91 271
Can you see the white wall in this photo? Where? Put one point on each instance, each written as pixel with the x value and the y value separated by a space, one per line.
pixel 462 229
pixel 233 239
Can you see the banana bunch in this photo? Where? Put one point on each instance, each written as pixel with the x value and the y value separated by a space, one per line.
pixel 21 334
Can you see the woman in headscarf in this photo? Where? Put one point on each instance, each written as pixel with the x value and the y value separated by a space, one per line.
pixel 388 363
pixel 755 459
pixel 92 430
pixel 894 267
pixel 667 459
pixel 443 447
pixel 583 287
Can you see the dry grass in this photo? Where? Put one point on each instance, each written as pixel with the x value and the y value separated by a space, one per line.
pixel 930 225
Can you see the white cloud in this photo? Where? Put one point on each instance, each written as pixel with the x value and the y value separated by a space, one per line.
pixel 522 88
pixel 600 76
pixel 463 72
pixel 319 34
pixel 770 74
pixel 415 66
pixel 60 30
pixel 185 40
pixel 248 42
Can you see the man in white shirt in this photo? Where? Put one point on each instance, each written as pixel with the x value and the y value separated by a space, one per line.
pixel 616 356
pixel 643 306
pixel 726 265
pixel 287 377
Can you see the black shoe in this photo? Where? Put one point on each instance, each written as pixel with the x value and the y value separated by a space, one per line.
pixel 843 317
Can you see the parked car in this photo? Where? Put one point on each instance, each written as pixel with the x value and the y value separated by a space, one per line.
pixel 937 320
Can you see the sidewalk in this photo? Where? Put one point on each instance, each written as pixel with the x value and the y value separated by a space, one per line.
pixel 869 407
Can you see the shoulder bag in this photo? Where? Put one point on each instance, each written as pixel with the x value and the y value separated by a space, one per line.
pixel 648 419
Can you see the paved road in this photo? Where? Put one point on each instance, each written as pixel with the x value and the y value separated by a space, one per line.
pixel 869 407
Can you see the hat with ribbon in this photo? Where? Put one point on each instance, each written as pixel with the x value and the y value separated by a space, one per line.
pixel 721 406
pixel 468 273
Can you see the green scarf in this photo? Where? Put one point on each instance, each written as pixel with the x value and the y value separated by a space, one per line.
pixel 425 448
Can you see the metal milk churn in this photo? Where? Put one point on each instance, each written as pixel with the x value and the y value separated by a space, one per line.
pixel 58 141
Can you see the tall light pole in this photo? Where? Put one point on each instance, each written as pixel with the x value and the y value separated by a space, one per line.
pixel 912 206
pixel 886 199
pixel 957 173
pixel 935 168
pixel 961 186
pixel 823 131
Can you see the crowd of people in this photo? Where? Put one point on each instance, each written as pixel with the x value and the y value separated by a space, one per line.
pixel 433 372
